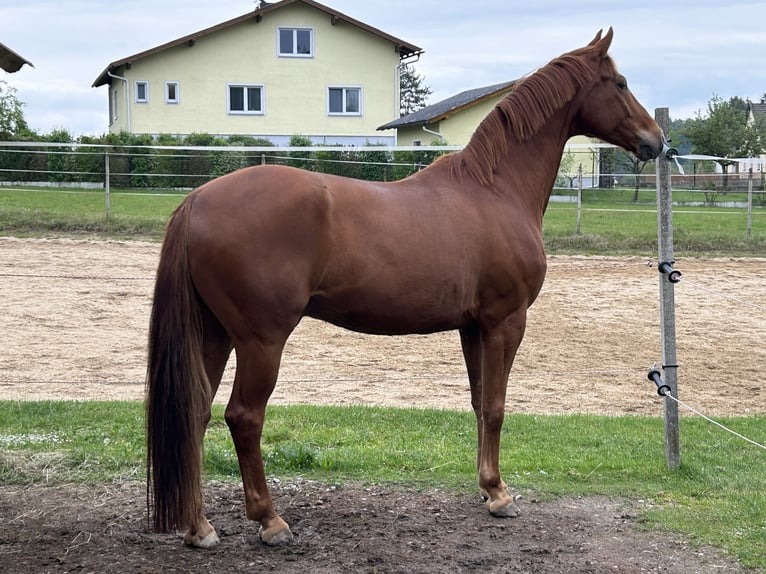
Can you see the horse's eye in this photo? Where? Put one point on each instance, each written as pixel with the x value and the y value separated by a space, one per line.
pixel 622 85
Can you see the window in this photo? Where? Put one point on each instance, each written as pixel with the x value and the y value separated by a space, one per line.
pixel 343 101
pixel 245 99
pixel 295 42
pixel 142 92
pixel 113 106
pixel 172 93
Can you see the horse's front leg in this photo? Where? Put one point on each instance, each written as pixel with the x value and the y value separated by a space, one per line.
pixel 499 345
pixel 470 340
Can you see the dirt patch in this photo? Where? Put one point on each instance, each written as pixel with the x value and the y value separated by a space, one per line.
pixel 347 529
pixel 74 316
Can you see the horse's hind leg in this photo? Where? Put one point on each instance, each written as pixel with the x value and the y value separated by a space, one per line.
pixel 216 350
pixel 257 369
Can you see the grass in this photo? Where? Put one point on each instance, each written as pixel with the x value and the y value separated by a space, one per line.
pixel 611 222
pixel 44 212
pixel 718 497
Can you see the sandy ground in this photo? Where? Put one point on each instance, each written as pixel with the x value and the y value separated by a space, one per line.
pixel 74 317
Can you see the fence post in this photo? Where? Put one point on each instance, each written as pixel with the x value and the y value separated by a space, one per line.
pixel 107 197
pixel 667 299
pixel 750 202
pixel 579 198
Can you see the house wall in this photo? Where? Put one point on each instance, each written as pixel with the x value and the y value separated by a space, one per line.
pixel 295 88
pixel 459 128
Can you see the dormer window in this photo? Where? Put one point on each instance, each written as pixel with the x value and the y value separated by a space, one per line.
pixel 295 42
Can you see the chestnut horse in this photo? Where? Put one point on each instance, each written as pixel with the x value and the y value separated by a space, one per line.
pixel 456 246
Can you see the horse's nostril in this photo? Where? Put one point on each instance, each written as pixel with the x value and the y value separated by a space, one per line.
pixel 646 151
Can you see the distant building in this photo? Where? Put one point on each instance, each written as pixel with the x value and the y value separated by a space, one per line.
pixel 294 67
pixel 755 111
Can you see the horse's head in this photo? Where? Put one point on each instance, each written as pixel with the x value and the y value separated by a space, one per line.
pixel 610 112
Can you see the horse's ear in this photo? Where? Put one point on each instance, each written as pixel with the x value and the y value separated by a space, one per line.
pixel 602 44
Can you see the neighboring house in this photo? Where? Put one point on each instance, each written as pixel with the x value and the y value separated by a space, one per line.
pixel 453 121
pixel 10 61
pixel 755 111
pixel 294 67
pixel 450 121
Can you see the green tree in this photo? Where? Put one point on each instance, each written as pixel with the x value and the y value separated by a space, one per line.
pixel 413 93
pixel 725 132
pixel 629 163
pixel 567 171
pixel 12 122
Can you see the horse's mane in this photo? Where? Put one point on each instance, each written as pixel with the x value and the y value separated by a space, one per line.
pixel 520 114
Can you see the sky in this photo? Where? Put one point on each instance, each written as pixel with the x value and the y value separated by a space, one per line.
pixel 675 54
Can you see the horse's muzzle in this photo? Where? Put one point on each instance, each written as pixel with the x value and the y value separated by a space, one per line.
pixel 649 149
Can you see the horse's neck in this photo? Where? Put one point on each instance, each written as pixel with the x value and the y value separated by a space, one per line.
pixel 531 166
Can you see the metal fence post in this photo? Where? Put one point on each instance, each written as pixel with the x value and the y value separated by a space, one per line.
pixel 750 203
pixel 579 198
pixel 667 299
pixel 107 196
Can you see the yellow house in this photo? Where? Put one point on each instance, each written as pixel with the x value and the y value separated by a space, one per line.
pixel 294 67
pixel 453 121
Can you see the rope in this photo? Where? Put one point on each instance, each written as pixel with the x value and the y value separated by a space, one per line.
pixel 447 378
pixel 75 277
pixel 716 423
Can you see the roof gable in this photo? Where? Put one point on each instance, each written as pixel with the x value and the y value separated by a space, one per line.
pixel 446 108
pixel 405 49
pixel 10 61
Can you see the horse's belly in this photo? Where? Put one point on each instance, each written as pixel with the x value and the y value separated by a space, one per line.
pixel 387 316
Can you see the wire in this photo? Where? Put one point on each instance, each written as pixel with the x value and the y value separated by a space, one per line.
pixel 723 296
pixel 716 423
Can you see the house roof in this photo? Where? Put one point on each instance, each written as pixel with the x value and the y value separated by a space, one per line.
pixel 758 109
pixel 446 108
pixel 10 61
pixel 405 49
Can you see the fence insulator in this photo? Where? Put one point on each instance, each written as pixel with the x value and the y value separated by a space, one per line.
pixel 666 267
pixel 655 376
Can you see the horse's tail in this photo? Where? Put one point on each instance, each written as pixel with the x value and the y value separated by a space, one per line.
pixel 178 394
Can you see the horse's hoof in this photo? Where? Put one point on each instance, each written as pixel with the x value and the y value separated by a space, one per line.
pixel 276 536
pixel 210 540
pixel 504 508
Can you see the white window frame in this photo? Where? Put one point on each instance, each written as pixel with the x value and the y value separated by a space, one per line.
pixel 177 99
pixel 245 86
pixel 345 90
pixel 136 85
pixel 295 30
